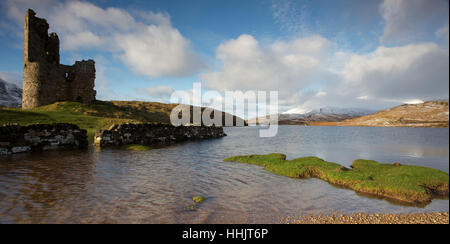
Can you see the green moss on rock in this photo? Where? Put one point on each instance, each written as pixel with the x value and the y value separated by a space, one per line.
pixel 412 184
pixel 199 199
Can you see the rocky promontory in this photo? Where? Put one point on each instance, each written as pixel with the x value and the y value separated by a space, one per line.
pixel 147 134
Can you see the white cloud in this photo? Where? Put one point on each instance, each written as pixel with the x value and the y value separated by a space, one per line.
pixel 159 17
pixel 89 14
pixel 384 78
pixel 443 32
pixel 414 101
pixel 145 41
pixel 16 8
pixel 158 51
pixel 283 66
pixel 406 72
pixel 296 110
pixel 407 21
pixel 160 92
pixel 80 40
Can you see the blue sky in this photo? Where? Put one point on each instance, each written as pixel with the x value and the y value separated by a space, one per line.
pixel 347 53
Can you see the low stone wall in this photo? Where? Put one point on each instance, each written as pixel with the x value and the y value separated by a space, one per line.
pixel 17 139
pixel 147 134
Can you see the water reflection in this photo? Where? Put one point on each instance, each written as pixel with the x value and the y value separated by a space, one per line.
pixel 116 186
pixel 32 185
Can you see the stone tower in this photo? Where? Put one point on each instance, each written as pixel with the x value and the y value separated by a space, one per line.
pixel 45 80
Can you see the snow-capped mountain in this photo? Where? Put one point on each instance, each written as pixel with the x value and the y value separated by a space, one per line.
pixel 330 114
pixel 10 95
pixel 348 111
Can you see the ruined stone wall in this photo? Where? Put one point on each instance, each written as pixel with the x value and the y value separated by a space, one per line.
pixel 17 139
pixel 45 80
pixel 147 134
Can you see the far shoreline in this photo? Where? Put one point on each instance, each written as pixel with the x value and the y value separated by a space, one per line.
pixel 344 124
pixel 334 124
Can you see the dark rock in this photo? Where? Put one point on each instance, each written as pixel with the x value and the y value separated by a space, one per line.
pixel 38 137
pixel 147 134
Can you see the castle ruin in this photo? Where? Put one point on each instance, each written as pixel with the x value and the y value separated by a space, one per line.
pixel 45 80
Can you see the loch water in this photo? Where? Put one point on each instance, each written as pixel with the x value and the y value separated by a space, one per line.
pixel 117 186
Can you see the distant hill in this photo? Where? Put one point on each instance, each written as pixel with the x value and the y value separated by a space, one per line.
pixel 329 114
pixel 93 117
pixel 428 114
pixel 10 95
pixel 160 112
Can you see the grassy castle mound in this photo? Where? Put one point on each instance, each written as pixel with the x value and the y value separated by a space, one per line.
pixel 411 184
pixel 100 115
pixel 91 117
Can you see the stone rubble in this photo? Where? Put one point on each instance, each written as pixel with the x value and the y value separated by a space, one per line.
pixel 19 139
pixel 147 134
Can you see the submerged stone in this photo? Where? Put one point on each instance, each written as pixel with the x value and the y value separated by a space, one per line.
pixel 137 147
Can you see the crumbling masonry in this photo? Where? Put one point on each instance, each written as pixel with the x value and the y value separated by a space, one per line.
pixel 45 80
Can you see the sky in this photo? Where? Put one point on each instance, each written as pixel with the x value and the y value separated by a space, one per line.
pixel 371 54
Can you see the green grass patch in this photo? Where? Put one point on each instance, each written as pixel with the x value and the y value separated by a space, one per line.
pixel 412 184
pixel 136 147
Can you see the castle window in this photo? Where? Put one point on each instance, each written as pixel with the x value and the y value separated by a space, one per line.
pixel 67 77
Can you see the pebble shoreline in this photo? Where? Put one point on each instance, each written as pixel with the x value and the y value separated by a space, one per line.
pixel 362 218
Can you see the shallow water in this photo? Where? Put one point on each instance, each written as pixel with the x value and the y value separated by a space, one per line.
pixel 118 186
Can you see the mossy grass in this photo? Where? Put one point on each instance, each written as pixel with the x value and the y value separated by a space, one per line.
pixel 136 147
pixel 411 184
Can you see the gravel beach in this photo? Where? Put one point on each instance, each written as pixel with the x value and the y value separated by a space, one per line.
pixel 362 218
